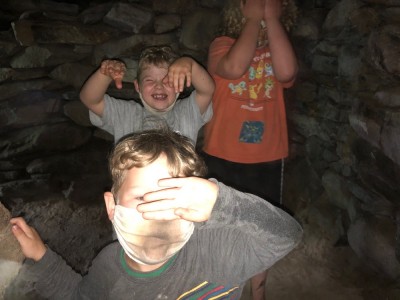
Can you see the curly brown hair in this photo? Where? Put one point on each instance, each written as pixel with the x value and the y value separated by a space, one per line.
pixel 140 149
pixel 232 17
pixel 160 56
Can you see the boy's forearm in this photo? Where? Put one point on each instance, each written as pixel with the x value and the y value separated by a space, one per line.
pixel 268 226
pixel 237 60
pixel 94 89
pixel 283 56
pixel 202 81
pixel 52 277
pixel 204 86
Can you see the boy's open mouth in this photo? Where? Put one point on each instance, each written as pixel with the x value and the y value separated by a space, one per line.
pixel 160 97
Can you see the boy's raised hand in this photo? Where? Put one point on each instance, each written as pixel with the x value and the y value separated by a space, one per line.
pixel 189 198
pixel 31 244
pixel 178 71
pixel 114 69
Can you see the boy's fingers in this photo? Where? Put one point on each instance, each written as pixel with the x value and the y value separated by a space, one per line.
pixel 19 234
pixel 164 194
pixel 103 67
pixel 16 230
pixel 157 205
pixel 118 82
pixel 169 79
pixel 172 182
pixel 177 80
pixel 182 82
pixel 21 224
pixel 165 215
pixel 173 214
pixel 188 79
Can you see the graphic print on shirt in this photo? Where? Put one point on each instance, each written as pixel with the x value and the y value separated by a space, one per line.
pixel 254 90
pixel 255 87
pixel 209 291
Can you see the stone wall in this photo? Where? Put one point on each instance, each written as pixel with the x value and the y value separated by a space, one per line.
pixel 52 161
pixel 344 115
pixel 341 179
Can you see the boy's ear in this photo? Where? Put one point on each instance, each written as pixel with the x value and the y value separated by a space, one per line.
pixel 110 204
pixel 137 87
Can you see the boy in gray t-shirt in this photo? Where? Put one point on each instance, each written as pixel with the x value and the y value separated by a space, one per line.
pixel 160 78
pixel 179 236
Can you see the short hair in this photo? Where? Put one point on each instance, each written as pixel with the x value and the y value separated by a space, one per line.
pixel 232 17
pixel 160 56
pixel 140 149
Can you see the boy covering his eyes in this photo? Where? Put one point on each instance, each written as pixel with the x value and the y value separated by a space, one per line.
pixel 180 236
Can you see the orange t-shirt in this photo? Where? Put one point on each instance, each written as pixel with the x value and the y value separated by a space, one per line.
pixel 249 121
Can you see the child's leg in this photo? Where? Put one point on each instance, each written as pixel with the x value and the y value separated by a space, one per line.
pixel 258 283
pixel 263 180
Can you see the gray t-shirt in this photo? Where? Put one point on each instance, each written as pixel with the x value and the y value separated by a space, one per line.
pixel 122 117
pixel 244 236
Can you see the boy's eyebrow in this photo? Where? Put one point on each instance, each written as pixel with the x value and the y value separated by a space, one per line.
pixel 135 191
pixel 140 191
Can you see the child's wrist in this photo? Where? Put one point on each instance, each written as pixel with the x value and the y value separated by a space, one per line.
pixel 40 254
pixel 105 77
pixel 253 20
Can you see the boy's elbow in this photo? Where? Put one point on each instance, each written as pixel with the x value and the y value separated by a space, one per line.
pixel 298 234
pixel 291 234
pixel 81 96
pixel 295 235
pixel 84 98
pixel 208 89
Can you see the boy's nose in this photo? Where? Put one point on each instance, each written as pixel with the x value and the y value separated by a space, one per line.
pixel 160 83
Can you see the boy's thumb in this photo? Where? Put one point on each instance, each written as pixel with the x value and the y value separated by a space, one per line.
pixel 18 233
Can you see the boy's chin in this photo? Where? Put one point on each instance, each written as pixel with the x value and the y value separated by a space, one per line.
pixel 161 108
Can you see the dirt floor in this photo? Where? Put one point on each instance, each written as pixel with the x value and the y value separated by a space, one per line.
pixel 317 270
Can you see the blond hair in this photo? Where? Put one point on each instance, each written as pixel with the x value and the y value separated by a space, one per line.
pixel 160 56
pixel 232 17
pixel 138 150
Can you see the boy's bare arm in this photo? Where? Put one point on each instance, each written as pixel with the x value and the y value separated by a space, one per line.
pixel 204 86
pixel 186 68
pixel 31 244
pixel 94 89
pixel 237 60
pixel 283 57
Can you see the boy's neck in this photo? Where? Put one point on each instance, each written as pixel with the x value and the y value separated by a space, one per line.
pixel 139 267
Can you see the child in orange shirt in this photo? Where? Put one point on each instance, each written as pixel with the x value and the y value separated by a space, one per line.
pixel 251 62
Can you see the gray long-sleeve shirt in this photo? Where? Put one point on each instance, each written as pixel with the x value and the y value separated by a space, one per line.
pixel 244 236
